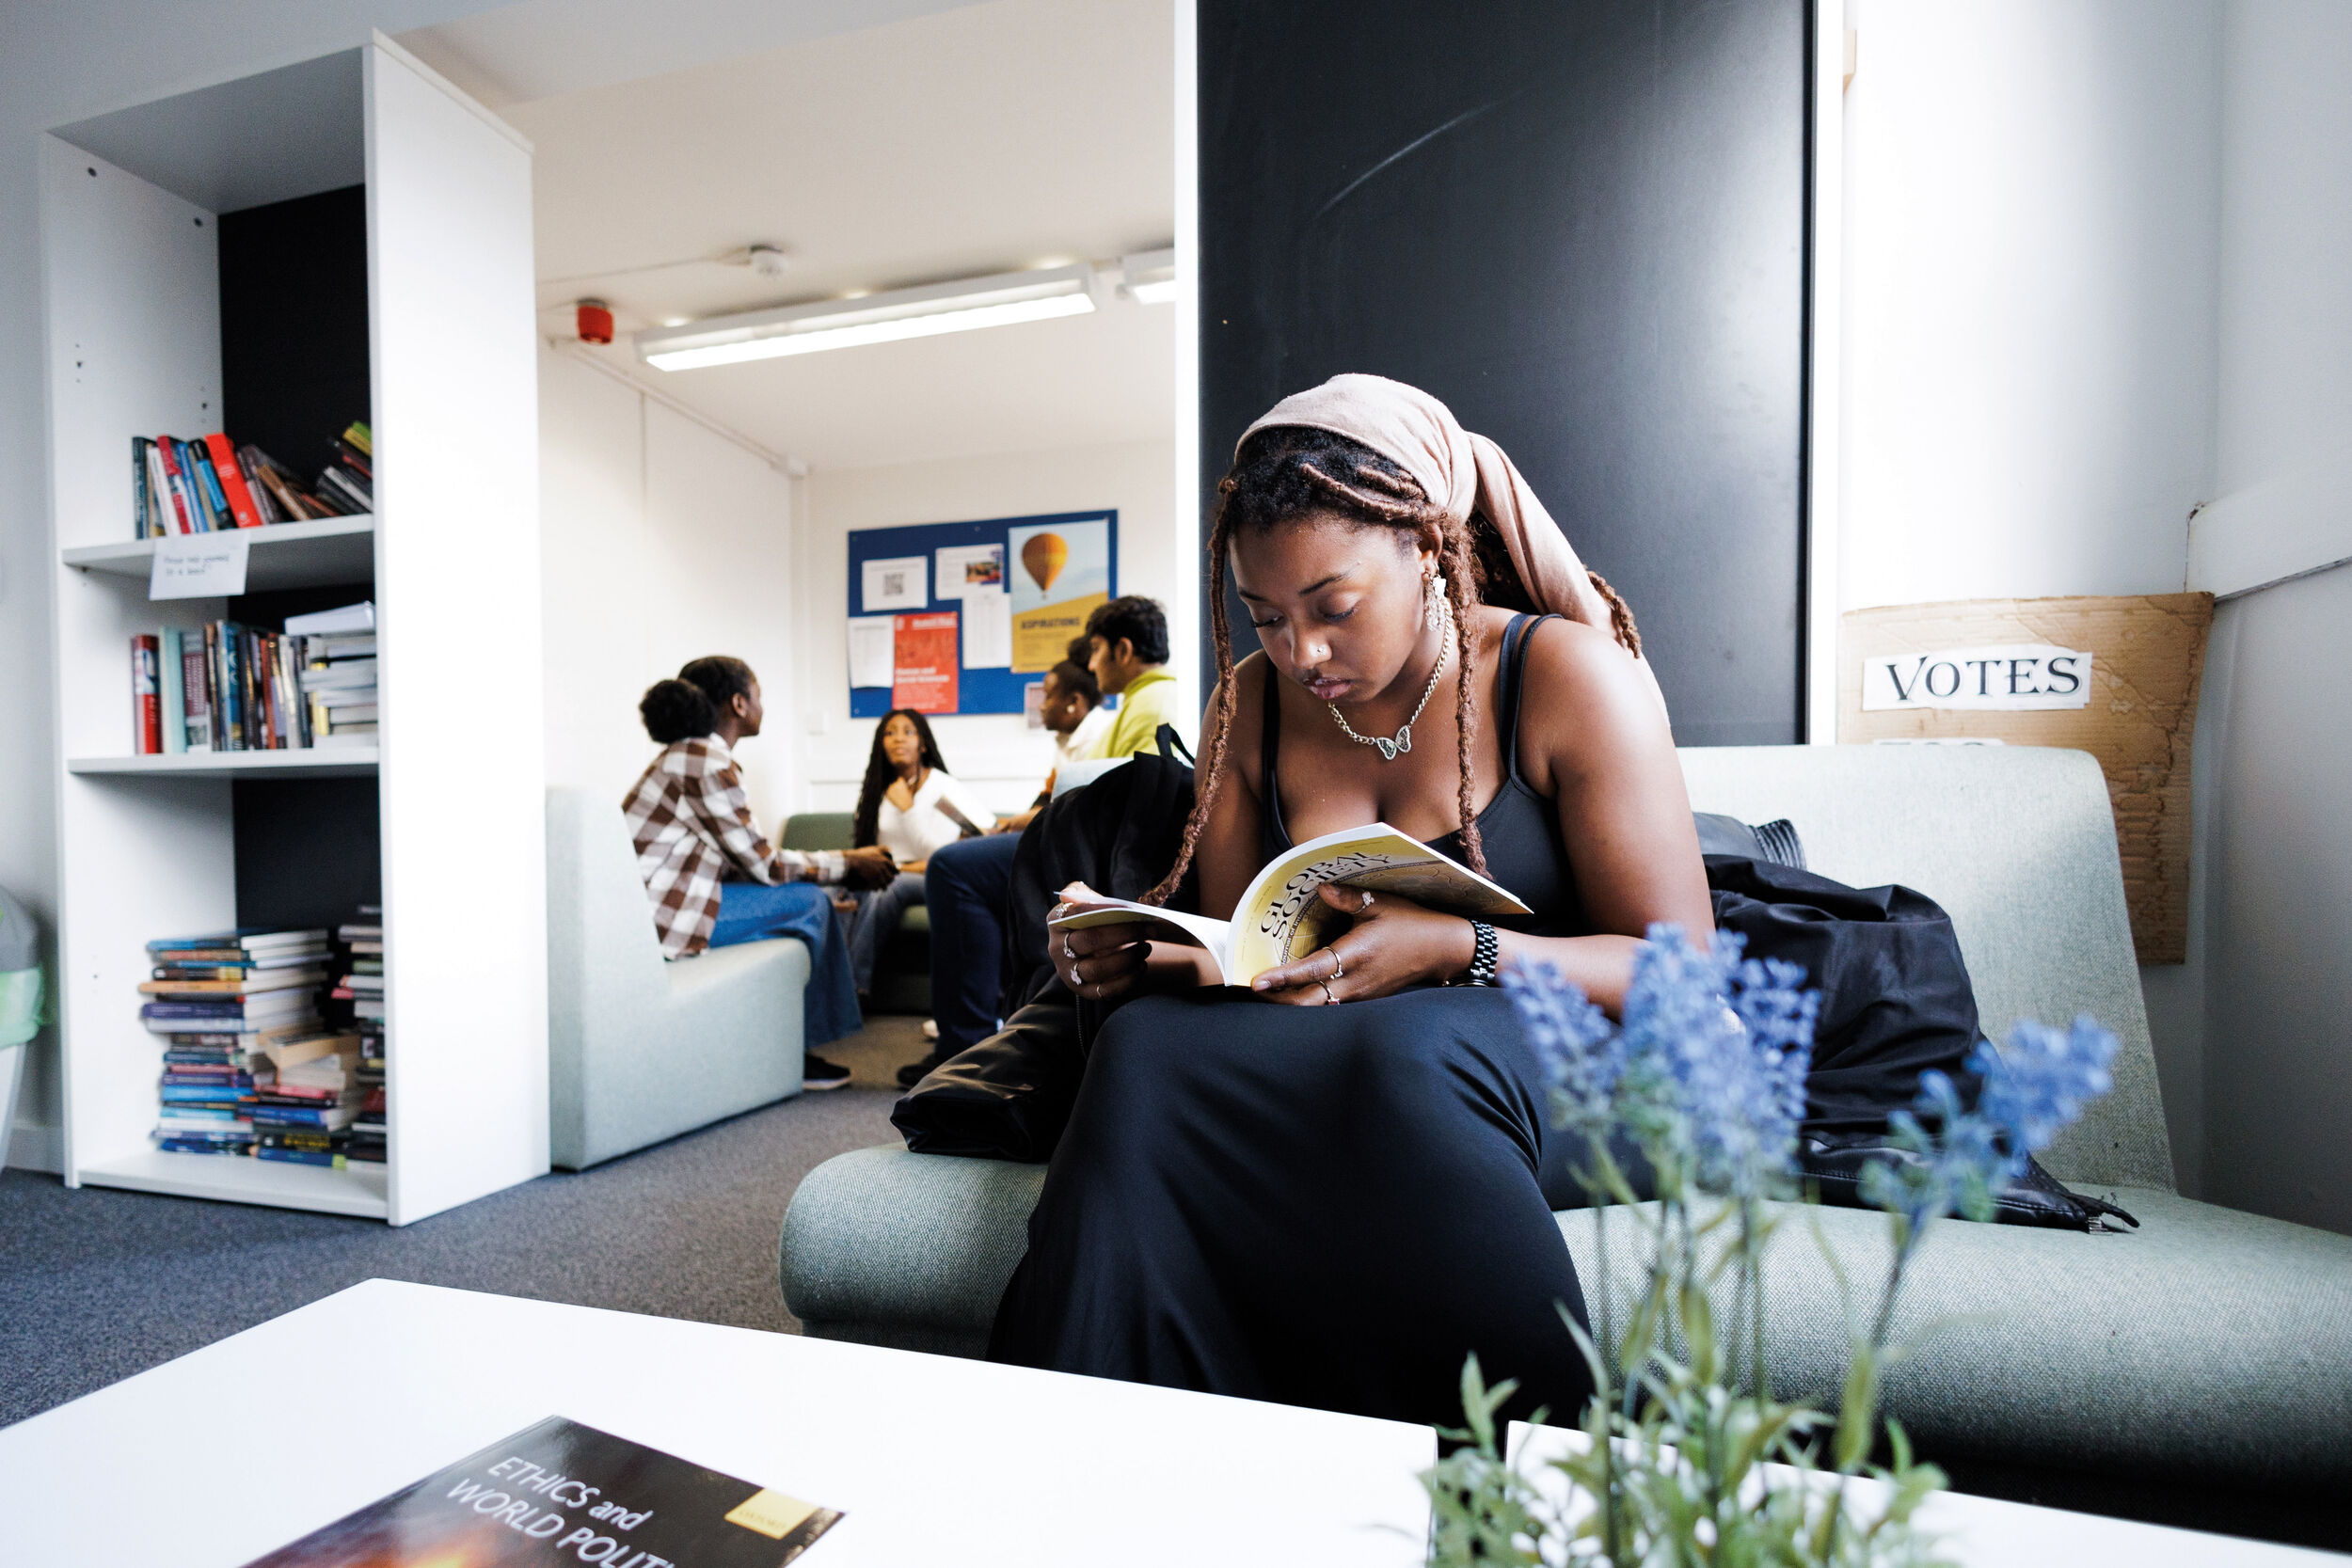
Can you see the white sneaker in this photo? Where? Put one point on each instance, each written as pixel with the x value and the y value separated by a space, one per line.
pixel 930 1028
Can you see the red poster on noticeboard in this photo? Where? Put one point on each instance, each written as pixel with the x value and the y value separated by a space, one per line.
pixel 923 662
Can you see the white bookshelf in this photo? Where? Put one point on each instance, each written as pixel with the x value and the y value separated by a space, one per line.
pixel 148 845
pixel 317 762
pixel 283 555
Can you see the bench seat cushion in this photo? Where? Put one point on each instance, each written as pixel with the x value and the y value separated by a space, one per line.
pixel 2209 1342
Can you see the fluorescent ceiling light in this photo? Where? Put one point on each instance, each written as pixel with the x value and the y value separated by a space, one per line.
pixel 1150 275
pixel 892 317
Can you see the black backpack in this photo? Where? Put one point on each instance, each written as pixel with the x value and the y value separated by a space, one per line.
pixel 1009 1097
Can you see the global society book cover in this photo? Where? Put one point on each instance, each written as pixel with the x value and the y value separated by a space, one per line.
pixel 559 1493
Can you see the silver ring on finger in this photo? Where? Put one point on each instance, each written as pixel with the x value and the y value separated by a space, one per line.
pixel 1065 946
pixel 1078 975
pixel 1365 902
pixel 1339 969
pixel 1328 999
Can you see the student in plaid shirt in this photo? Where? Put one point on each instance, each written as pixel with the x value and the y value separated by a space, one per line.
pixel 712 877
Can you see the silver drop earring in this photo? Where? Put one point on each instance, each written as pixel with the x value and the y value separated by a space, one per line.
pixel 1433 591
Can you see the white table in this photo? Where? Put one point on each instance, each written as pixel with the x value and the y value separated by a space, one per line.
pixel 934 1459
pixel 1987 1532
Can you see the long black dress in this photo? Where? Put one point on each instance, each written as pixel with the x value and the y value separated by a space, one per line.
pixel 1320 1206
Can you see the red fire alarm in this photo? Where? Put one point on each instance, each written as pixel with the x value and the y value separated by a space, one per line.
pixel 596 322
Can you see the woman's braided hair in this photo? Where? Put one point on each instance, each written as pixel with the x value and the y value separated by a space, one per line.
pixel 1287 473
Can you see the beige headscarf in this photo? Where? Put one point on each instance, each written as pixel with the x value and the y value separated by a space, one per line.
pixel 1460 472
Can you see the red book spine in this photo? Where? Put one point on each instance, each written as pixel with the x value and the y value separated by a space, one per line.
pixel 232 481
pixel 147 706
pixel 172 481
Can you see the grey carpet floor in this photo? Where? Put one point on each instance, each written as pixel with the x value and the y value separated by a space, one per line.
pixel 97 1284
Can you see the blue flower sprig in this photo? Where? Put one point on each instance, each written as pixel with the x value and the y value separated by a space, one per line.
pixel 1705 1077
pixel 1956 1158
pixel 1708 1073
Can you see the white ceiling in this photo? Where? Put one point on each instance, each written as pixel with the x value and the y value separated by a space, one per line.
pixel 977 139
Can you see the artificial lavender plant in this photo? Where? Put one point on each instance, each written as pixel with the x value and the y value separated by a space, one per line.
pixel 1688 1457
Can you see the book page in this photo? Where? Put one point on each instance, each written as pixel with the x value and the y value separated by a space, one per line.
pixel 1291 921
pixel 1187 931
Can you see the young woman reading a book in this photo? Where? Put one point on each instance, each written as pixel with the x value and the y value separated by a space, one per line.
pixel 1328 1191
pixel 910 805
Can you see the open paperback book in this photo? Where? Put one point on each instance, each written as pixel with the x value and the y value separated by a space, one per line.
pixel 1279 918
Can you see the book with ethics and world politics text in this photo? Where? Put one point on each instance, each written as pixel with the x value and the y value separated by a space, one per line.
pixel 563 1493
pixel 1279 918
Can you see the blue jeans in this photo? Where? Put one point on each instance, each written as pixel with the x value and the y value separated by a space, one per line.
pixel 967 884
pixel 876 918
pixel 749 912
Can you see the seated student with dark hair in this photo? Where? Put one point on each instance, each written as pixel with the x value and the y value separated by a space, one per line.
pixel 712 876
pixel 1074 707
pixel 1126 652
pixel 1072 710
pixel 912 806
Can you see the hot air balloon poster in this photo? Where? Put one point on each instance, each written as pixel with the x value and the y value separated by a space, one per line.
pixel 1058 572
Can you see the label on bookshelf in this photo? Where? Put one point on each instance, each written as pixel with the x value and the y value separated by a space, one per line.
pixel 199 566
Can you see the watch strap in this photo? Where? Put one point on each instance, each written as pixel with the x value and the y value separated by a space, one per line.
pixel 1486 955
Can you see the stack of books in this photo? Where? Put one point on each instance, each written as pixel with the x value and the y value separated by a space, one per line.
pixel 361 986
pixel 339 673
pixel 349 481
pixel 234 687
pixel 212 484
pixel 221 1002
pixel 305 1096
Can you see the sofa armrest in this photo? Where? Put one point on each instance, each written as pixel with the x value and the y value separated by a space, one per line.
pixel 882 1236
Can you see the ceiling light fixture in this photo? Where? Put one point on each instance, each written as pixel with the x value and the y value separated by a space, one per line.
pixel 889 317
pixel 1150 275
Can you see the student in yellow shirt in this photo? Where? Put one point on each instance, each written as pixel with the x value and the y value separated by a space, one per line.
pixel 1128 651
pixel 966 884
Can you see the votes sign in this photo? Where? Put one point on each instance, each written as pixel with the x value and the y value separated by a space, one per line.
pixel 2014 676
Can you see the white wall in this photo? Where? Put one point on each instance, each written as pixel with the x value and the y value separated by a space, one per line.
pixel 2030 206
pixel 60 64
pixel 661 543
pixel 2277 1086
pixel 1001 757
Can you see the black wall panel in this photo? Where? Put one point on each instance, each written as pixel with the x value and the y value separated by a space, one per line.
pixel 1582 225
pixel 294 324
pixel 309 851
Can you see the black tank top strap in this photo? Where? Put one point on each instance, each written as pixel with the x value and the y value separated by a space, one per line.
pixel 1511 683
pixel 1273 836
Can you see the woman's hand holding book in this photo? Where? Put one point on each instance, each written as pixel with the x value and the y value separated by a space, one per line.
pixel 1391 943
pixel 1099 962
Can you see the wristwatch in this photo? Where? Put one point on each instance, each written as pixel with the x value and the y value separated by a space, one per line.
pixel 1486 955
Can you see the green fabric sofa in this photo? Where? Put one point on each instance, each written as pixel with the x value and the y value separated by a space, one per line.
pixel 2210 1347
pixel 902 975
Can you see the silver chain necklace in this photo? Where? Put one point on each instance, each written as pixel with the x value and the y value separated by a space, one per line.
pixel 1391 750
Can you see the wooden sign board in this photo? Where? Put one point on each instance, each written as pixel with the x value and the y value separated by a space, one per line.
pixel 2116 677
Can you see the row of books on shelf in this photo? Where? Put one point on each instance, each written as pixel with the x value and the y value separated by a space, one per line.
pixel 252 1063
pixel 212 482
pixel 232 688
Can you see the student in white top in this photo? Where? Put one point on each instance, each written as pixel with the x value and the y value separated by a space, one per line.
pixel 1073 710
pixel 912 806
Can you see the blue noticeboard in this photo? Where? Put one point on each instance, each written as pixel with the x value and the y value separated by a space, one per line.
pixel 1049 570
